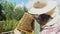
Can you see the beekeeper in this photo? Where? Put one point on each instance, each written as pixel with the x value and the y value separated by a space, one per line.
pixel 47 16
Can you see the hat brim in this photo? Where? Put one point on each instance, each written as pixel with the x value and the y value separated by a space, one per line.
pixel 50 5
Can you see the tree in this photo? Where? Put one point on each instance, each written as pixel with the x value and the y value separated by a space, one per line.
pixel 8 9
pixel 12 13
pixel 19 12
pixel 2 16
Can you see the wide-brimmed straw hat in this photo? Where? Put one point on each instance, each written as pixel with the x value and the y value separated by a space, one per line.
pixel 49 6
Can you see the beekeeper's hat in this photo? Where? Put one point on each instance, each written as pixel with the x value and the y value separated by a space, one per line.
pixel 49 6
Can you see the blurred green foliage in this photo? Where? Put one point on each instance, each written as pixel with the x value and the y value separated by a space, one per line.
pixel 2 16
pixel 10 25
pixel 12 15
pixel 8 9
